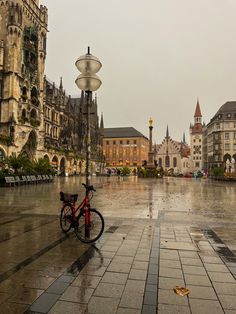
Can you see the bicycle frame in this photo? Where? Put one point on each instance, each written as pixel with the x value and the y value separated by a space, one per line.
pixel 84 204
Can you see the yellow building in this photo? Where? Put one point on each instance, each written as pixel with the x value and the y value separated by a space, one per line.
pixel 124 147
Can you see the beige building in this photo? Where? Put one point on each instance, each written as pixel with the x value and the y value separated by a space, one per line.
pixel 220 137
pixel 124 147
pixel 37 118
pixel 196 140
pixel 173 155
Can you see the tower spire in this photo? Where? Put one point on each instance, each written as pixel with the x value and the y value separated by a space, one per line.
pixel 61 85
pixel 198 110
pixel 198 114
pixel 184 141
pixel 167 132
pixel 102 122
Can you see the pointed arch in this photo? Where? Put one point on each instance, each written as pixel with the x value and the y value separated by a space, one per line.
pixel 227 156
pixel 55 162
pixel 174 162
pixel 30 147
pixel 62 165
pixel 2 154
pixel 167 161
pixel 46 157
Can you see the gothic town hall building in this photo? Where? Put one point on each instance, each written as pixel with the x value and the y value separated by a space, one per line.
pixel 37 118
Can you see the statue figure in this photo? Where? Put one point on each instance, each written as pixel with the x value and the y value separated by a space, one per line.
pixel 227 165
pixel 232 165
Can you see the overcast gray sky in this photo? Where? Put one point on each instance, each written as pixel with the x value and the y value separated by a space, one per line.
pixel 158 57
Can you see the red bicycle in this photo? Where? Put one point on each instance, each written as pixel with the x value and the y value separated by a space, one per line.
pixel 89 224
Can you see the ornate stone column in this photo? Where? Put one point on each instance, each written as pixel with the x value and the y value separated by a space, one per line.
pixel 150 153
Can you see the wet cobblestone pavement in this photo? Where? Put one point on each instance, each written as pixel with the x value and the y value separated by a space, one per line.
pixel 158 234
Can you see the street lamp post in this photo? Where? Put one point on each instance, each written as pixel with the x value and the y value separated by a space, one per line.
pixel 89 82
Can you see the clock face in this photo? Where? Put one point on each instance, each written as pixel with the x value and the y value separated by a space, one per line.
pixel 197 137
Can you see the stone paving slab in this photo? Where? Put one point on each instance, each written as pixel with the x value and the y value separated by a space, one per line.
pixel 133 269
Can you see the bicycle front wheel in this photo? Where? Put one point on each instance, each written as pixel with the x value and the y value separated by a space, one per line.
pixel 66 218
pixel 93 231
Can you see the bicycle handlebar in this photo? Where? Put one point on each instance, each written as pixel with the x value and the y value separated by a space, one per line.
pixel 89 188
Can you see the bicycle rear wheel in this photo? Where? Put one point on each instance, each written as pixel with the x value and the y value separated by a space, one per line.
pixel 93 231
pixel 66 218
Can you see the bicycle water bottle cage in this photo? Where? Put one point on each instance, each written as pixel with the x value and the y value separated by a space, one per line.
pixel 68 198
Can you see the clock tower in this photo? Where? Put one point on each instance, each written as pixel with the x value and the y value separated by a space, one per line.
pixel 196 134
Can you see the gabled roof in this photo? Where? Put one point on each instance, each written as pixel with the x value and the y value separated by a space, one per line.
pixel 122 132
pixel 198 110
pixel 174 147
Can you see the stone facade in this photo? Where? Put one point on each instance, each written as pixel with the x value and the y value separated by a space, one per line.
pixel 196 140
pixel 173 155
pixel 38 119
pixel 220 137
pixel 124 147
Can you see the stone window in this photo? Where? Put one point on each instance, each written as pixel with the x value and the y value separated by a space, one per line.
pixel 167 161
pixel 114 142
pixel 235 135
pixel 114 154
pixel 135 153
pixel 174 162
pixel 227 146
pixel 128 142
pixel 121 153
pixel 135 142
pixel 107 142
pixel 121 142
pixel 227 136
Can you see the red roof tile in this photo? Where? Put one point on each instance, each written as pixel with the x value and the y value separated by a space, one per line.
pixel 198 110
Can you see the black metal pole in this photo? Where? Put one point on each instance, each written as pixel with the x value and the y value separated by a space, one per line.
pixel 88 150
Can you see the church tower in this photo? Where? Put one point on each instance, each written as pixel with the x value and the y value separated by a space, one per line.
pixel 196 138
pixel 23 35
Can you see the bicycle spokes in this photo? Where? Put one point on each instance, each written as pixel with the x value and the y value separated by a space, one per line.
pixel 89 228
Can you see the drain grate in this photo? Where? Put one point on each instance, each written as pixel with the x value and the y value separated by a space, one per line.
pixel 112 229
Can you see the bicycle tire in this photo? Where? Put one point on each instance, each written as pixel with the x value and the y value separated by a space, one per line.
pixel 66 218
pixel 96 227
